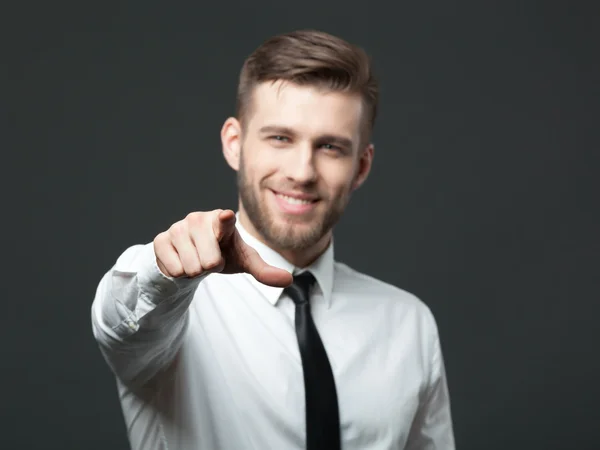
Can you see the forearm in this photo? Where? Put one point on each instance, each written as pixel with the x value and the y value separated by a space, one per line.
pixel 139 316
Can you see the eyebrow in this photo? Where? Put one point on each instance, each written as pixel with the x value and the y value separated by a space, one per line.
pixel 329 138
pixel 276 129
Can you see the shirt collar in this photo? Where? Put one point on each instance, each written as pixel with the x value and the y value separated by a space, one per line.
pixel 322 268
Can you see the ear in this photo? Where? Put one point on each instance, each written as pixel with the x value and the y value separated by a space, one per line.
pixel 231 141
pixel 365 163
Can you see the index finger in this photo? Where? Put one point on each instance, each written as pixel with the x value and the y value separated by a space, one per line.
pixel 224 224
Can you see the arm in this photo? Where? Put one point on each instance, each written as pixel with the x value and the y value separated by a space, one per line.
pixel 432 427
pixel 140 312
pixel 139 315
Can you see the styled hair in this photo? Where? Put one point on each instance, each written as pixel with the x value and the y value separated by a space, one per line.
pixel 310 58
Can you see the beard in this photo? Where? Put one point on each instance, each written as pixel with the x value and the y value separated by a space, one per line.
pixel 294 234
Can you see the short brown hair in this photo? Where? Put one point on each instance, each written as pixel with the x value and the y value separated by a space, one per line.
pixel 315 58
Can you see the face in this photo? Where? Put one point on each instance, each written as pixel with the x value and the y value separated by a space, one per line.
pixel 298 160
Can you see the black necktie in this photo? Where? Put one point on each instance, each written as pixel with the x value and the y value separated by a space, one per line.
pixel 322 416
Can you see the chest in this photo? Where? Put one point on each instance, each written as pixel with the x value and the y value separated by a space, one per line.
pixel 250 346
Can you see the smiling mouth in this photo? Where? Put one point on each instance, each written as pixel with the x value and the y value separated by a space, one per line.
pixel 294 200
pixel 298 199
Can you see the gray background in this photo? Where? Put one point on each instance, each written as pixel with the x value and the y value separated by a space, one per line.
pixel 482 200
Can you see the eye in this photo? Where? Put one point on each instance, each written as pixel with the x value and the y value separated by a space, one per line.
pixel 331 148
pixel 279 138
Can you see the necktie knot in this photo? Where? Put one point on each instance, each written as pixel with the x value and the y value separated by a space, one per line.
pixel 300 289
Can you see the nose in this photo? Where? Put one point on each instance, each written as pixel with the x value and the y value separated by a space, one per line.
pixel 300 166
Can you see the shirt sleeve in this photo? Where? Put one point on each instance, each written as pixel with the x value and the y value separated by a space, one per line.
pixel 139 315
pixel 432 428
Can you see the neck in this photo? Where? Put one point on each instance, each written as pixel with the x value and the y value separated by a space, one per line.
pixel 299 258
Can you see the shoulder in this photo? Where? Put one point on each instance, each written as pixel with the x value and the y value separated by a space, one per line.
pixel 382 294
pixel 349 278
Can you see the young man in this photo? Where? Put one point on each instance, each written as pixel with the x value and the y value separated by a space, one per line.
pixel 240 331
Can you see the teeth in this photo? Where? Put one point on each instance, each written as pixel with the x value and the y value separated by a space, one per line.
pixel 294 201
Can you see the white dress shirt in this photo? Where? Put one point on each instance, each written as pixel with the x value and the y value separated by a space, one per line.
pixel 213 362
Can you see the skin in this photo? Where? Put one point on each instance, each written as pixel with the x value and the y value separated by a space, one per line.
pixel 299 141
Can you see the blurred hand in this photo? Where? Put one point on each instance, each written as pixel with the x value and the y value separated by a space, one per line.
pixel 209 242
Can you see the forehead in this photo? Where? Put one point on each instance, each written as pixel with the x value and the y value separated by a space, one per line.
pixel 306 109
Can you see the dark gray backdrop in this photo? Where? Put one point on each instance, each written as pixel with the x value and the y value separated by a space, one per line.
pixel 482 201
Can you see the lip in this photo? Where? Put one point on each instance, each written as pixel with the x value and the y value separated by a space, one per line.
pixel 298 195
pixel 292 209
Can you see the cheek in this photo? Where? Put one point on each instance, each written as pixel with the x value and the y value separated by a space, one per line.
pixel 258 163
pixel 261 176
pixel 339 178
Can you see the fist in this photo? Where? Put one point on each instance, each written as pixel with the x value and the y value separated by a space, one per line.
pixel 209 242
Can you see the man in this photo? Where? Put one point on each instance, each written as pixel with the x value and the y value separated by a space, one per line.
pixel 241 331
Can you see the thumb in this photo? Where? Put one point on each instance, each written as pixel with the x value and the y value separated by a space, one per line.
pixel 263 272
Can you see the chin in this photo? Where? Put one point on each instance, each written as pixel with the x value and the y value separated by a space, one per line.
pixel 297 236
